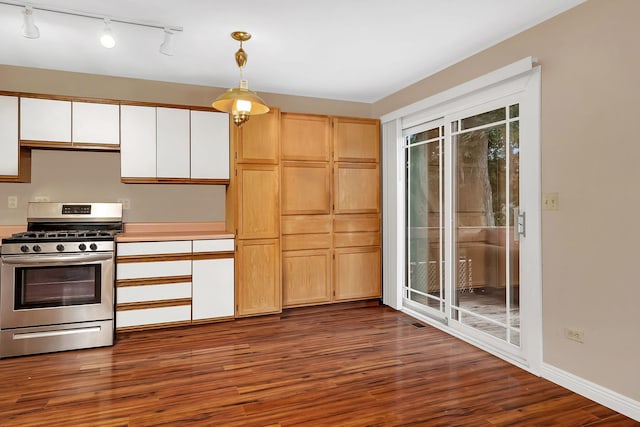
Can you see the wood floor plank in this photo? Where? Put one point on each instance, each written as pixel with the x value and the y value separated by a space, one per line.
pixel 348 365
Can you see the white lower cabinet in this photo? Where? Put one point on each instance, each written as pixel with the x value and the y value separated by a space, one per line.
pixel 212 288
pixel 169 283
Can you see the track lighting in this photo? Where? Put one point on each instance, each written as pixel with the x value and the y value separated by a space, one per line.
pixel 107 39
pixel 166 47
pixel 29 29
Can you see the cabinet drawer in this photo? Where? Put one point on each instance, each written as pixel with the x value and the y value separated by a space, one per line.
pixel 139 270
pixel 342 240
pixel 306 241
pixel 354 223
pixel 153 316
pixel 306 224
pixel 161 292
pixel 154 248
pixel 214 245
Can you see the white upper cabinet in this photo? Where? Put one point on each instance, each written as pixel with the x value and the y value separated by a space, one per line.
pixel 9 135
pixel 95 123
pixel 172 143
pixel 209 145
pixel 137 141
pixel 45 120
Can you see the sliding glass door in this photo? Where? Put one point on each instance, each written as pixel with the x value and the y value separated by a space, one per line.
pixel 462 245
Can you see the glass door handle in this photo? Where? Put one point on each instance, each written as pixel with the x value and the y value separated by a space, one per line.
pixel 519 224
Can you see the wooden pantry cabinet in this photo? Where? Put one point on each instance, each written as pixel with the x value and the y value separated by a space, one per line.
pixel 253 213
pixel 330 212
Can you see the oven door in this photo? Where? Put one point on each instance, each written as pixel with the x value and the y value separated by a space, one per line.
pixel 39 290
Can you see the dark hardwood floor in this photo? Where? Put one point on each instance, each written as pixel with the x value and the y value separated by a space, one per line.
pixel 345 365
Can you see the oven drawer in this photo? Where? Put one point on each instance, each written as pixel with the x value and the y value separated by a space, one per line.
pixel 140 270
pixel 47 339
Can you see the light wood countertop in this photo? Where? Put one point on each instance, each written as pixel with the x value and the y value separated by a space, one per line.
pixel 162 231
pixel 8 230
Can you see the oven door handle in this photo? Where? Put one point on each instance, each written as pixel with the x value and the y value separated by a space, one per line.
pixel 58 259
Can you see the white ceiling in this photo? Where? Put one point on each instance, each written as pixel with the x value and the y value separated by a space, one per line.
pixel 357 50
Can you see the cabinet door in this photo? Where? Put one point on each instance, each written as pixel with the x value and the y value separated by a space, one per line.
pixel 45 120
pixel 258 277
pixel 95 123
pixel 356 188
pixel 209 145
pixel 9 144
pixel 258 139
pixel 258 201
pixel 306 277
pixel 356 140
pixel 357 273
pixel 137 141
pixel 305 137
pixel 306 188
pixel 213 288
pixel 172 143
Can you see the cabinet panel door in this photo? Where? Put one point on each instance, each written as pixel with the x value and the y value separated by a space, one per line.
pixel 154 248
pixel 305 188
pixel 258 277
pixel 306 277
pixel 45 120
pixel 258 140
pixel 356 140
pixel 209 145
pixel 213 288
pixel 137 141
pixel 356 188
pixel 258 201
pixel 95 123
pixel 172 143
pixel 305 137
pixel 357 273
pixel 9 144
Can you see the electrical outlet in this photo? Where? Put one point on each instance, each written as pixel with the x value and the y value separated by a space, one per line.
pixel 126 203
pixel 574 335
pixel 550 201
pixel 41 199
pixel 12 202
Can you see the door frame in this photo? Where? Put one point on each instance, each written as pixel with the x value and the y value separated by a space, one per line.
pixel 523 79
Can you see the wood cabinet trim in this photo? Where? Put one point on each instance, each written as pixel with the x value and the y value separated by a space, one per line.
pixel 153 304
pixel 152 281
pixel 147 327
pixel 198 256
pixel 152 258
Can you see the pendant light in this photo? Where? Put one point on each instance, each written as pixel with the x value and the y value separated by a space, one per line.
pixel 240 102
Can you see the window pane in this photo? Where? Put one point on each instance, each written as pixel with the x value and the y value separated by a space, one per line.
pixel 484 118
pixel 514 111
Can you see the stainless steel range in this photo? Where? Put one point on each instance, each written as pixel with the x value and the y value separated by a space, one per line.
pixel 57 279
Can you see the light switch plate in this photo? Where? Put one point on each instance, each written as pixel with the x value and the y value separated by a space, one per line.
pixel 550 202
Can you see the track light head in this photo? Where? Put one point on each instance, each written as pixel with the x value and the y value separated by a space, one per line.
pixel 29 29
pixel 166 47
pixel 107 39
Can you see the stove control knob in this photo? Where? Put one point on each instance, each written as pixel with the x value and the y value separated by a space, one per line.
pixel 82 247
pixel 60 248
pixel 36 248
pixel 24 248
pixel 93 246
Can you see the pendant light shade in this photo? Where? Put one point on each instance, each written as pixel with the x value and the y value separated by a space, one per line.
pixel 240 102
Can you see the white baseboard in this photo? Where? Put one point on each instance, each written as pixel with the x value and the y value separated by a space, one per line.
pixel 595 392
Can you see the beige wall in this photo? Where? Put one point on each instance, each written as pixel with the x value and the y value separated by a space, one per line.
pixel 92 176
pixel 590 97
